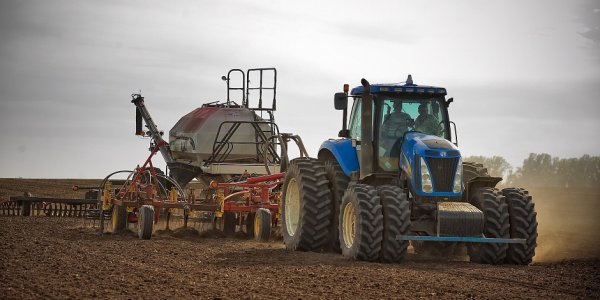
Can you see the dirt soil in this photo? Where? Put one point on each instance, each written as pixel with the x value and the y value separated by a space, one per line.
pixel 44 257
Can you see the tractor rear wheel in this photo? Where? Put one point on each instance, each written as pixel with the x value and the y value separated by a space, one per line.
pixel 306 205
pixel 338 182
pixel 262 225
pixel 523 225
pixel 118 218
pixel 146 222
pixel 396 221
pixel 496 225
pixel 361 223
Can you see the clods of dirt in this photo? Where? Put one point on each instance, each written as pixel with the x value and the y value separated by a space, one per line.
pixel 43 257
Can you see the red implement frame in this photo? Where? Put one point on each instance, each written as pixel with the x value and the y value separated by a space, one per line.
pixel 242 197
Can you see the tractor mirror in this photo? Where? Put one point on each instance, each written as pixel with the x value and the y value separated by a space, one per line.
pixel 340 101
pixel 449 101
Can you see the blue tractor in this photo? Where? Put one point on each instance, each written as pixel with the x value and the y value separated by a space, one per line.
pixel 395 178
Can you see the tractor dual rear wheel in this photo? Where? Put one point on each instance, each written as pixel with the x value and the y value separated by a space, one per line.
pixel 523 225
pixel 361 223
pixel 306 206
pixel 496 225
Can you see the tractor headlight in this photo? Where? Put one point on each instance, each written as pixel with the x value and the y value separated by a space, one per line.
pixel 458 177
pixel 426 185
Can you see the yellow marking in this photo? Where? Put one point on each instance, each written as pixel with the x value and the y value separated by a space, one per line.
pixel 409 170
pixel 106 196
pixel 173 194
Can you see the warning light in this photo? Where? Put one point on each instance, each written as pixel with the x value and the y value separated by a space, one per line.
pixel 214 184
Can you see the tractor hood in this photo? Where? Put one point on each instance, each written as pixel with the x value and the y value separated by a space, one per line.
pixel 441 158
pixel 417 143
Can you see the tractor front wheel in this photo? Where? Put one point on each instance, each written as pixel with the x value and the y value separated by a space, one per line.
pixel 396 221
pixel 361 223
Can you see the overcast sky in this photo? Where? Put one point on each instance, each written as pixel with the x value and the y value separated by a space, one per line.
pixel 525 75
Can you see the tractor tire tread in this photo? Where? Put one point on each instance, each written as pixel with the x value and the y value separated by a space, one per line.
pixel 313 226
pixel 369 232
pixel 523 224
pixel 496 225
pixel 338 182
pixel 396 221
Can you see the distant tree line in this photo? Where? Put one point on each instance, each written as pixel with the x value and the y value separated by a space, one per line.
pixel 543 170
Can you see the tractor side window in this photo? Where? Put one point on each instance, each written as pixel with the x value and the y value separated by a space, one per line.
pixel 355 120
pixel 395 121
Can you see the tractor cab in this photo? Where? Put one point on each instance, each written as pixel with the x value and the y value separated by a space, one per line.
pixel 394 115
pixel 387 118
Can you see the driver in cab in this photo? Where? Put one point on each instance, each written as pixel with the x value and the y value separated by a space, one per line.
pixel 427 123
pixel 396 123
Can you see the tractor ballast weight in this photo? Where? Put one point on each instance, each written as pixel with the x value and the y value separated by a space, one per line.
pixel 404 182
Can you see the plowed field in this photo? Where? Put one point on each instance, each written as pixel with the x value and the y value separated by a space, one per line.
pixel 47 258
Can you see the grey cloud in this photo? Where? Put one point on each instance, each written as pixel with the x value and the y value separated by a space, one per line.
pixel 589 17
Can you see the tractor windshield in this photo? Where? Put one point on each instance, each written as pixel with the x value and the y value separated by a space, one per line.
pixel 398 115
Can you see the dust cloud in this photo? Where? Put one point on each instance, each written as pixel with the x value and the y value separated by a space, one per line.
pixel 568 223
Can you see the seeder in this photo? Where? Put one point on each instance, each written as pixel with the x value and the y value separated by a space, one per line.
pixel 237 157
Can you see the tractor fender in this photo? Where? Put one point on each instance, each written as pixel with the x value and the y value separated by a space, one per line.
pixel 342 151
pixel 479 182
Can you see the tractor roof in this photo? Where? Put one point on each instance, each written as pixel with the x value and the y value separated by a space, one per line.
pixel 400 88
pixel 407 88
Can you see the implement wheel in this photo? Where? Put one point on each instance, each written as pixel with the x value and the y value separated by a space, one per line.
pixel 262 225
pixel 25 208
pixel 338 182
pixel 495 211
pixel 250 224
pixel 361 223
pixel 396 221
pixel 145 222
pixel 118 218
pixel 306 206
pixel 228 223
pixel 523 225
